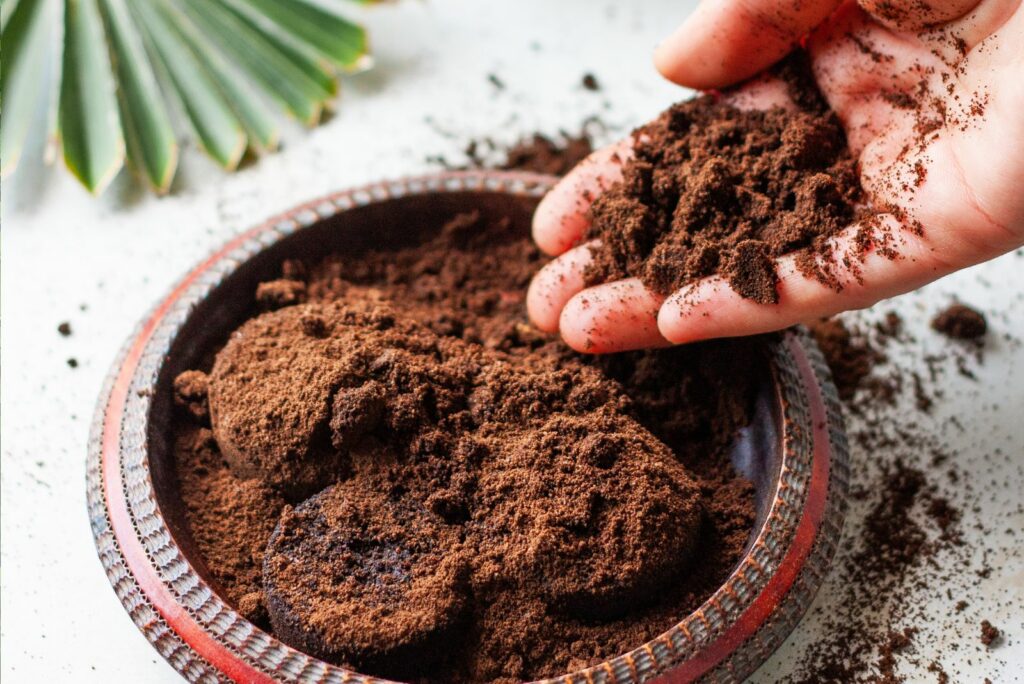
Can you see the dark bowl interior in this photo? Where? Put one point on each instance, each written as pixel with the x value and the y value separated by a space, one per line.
pixel 756 453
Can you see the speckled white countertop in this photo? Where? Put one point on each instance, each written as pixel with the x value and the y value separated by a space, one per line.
pixel 99 264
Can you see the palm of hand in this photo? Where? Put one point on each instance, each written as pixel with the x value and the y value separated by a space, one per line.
pixel 932 113
pixel 935 116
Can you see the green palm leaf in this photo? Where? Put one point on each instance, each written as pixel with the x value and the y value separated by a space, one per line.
pixel 25 36
pixel 88 121
pixel 220 133
pixel 152 148
pixel 255 116
pixel 334 37
pixel 296 85
pixel 117 62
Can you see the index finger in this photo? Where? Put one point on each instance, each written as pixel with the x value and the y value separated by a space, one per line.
pixel 561 217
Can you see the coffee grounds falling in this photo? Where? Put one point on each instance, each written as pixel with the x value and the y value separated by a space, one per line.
pixel 714 190
pixel 611 454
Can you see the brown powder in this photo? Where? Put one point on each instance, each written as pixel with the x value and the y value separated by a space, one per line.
pixel 190 393
pixel 850 358
pixel 541 154
pixel 532 510
pixel 230 519
pixel 715 190
pixel 905 533
pixel 989 633
pixel 536 152
pixel 360 576
pixel 960 322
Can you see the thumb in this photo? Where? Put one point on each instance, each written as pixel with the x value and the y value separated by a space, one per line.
pixel 727 41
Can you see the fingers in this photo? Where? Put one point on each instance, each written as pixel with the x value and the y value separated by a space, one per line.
pixel 613 317
pixel 554 285
pixel 977 174
pixel 561 217
pixel 727 41
pixel 710 308
pixel 987 18
pixel 862 69
pixel 607 318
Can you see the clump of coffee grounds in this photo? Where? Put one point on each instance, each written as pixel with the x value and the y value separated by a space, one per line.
pixel 960 322
pixel 715 190
pixel 583 505
pixel 905 534
pixel 989 633
pixel 850 358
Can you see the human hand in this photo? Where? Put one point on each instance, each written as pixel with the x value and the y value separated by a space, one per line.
pixel 964 59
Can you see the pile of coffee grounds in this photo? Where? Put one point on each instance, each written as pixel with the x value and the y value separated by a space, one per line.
pixel 715 190
pixel 960 322
pixel 541 154
pixel 904 533
pixel 390 469
pixel 538 153
pixel 230 518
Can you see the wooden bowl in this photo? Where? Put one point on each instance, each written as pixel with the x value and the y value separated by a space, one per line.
pixel 794 451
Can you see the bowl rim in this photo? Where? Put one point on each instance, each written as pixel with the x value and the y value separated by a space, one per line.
pixel 203 638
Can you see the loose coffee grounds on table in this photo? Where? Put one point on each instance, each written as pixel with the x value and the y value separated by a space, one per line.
pixel 989 633
pixel 584 504
pixel 911 502
pixel 960 322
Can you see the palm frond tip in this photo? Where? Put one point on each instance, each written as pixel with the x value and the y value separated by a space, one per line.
pixel 123 62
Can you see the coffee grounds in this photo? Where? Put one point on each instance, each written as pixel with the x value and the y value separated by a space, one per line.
pixel 851 359
pixel 904 534
pixel 541 154
pixel 357 575
pixel 960 322
pixel 714 190
pixel 495 81
pixel 190 393
pixel 537 153
pixel 585 504
pixel 989 633
pixel 230 519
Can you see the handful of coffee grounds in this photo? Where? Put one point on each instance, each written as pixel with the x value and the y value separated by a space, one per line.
pixel 392 471
pixel 715 190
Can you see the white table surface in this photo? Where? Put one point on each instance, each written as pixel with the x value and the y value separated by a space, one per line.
pixel 100 263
